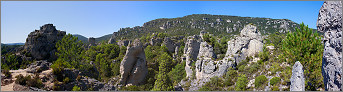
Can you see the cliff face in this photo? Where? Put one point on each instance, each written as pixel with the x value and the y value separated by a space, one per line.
pixel 41 44
pixel 330 22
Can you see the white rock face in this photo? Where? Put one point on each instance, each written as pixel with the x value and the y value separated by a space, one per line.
pixel 191 51
pixel 200 52
pixel 297 79
pixel 133 67
pixel 248 43
pixel 330 22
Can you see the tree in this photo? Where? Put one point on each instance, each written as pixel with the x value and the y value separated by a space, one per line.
pixel 241 84
pixel 69 51
pixel 163 82
pixel 260 81
pixel 178 73
pixel 305 45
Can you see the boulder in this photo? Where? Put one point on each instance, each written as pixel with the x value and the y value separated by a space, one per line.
pixel 297 79
pixel 248 43
pixel 330 22
pixel 133 67
pixel 41 44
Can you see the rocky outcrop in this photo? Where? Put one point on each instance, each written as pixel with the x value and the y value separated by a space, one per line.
pixel 86 83
pixel 41 43
pixel 133 67
pixel 297 79
pixel 112 40
pixel 169 44
pixel 248 43
pixel 330 22
pixel 202 54
pixel 191 52
pixel 123 42
pixel 155 41
pixel 38 66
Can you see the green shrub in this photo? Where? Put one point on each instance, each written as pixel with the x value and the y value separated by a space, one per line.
pixel 215 84
pixel 230 77
pixel 241 84
pixel 275 80
pixel 7 73
pixel 66 80
pixel 260 81
pixel 28 81
pixel 241 68
pixel 253 68
pixel 275 88
pixel 76 88
pixel 57 69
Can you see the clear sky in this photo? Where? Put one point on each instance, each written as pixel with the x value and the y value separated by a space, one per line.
pixel 98 18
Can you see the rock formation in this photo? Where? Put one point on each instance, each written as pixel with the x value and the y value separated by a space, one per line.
pixel 248 43
pixel 169 44
pixel 297 79
pixel 41 43
pixel 38 66
pixel 133 67
pixel 112 40
pixel 123 42
pixel 201 53
pixel 206 67
pixel 191 52
pixel 330 22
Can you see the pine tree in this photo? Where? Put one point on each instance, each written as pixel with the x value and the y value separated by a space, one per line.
pixel 69 51
pixel 305 45
pixel 163 82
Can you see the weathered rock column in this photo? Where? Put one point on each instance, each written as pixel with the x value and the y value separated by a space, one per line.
pixel 330 22
pixel 133 67
pixel 297 79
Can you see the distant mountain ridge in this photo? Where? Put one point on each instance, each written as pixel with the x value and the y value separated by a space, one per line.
pixel 220 25
pixel 97 40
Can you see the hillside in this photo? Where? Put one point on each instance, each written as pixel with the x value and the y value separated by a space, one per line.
pixel 220 25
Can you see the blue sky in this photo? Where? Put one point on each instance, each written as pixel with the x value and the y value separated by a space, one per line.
pixel 98 18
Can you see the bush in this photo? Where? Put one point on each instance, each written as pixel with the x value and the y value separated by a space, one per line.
pixel 253 68
pixel 275 88
pixel 230 77
pixel 241 68
pixel 275 80
pixel 76 88
pixel 28 81
pixel 241 84
pixel 66 80
pixel 57 69
pixel 260 81
pixel 215 84
pixel 7 73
